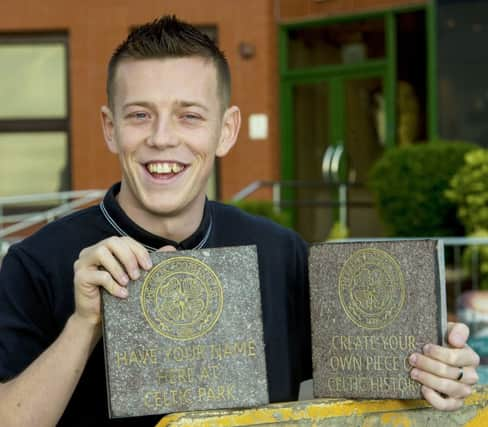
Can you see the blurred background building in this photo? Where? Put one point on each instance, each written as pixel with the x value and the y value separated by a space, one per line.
pixel 325 87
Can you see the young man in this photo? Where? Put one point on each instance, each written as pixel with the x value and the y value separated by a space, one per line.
pixel 168 117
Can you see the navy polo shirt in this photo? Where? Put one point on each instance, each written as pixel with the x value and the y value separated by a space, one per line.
pixel 36 296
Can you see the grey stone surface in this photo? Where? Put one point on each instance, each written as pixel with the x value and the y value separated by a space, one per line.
pixel 188 337
pixel 372 305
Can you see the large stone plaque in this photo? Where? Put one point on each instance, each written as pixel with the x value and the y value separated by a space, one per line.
pixel 373 303
pixel 189 336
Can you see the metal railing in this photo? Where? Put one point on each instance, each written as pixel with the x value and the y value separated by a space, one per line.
pixel 55 205
pixel 12 225
pixel 277 193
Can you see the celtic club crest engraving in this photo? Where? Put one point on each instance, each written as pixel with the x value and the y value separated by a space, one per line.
pixel 371 288
pixel 182 298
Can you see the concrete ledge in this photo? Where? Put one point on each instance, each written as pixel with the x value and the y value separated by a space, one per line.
pixel 338 412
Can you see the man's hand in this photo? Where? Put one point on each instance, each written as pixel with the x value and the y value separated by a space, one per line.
pixel 446 373
pixel 110 264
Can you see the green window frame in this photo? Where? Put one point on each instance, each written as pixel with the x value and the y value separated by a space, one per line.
pixel 290 76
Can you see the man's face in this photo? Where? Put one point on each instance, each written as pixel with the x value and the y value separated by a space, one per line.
pixel 167 126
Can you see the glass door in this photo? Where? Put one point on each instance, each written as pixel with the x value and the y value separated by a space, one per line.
pixel 364 141
pixel 336 111
pixel 311 125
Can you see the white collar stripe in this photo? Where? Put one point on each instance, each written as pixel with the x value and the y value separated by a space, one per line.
pixel 121 232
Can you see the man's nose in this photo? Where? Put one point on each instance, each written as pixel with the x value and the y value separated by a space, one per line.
pixel 163 133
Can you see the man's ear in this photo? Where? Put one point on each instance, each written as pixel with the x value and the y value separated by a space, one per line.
pixel 231 123
pixel 108 129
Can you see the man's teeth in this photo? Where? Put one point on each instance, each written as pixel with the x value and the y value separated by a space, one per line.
pixel 164 168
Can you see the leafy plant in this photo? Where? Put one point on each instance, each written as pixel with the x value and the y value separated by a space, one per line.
pixel 409 185
pixel 469 190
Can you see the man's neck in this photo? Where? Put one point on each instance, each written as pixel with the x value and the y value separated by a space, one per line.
pixel 176 227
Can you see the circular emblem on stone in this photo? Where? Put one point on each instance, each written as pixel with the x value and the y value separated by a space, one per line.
pixel 371 288
pixel 182 298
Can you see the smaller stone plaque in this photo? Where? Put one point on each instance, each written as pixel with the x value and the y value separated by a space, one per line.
pixel 188 337
pixel 373 303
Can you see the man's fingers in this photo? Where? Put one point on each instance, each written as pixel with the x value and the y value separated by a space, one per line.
pixel 448 387
pixel 441 369
pixel 452 356
pixel 440 402
pixel 129 253
pixel 120 256
pixel 457 334
pixel 107 262
pixel 167 248
pixel 140 252
pixel 101 278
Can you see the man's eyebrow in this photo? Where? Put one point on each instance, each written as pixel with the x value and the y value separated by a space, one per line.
pixel 137 103
pixel 185 104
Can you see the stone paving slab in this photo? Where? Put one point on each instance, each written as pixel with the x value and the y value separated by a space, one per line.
pixel 189 336
pixel 372 305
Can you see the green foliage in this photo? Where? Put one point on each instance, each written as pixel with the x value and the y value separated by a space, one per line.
pixel 479 253
pixel 264 208
pixel 338 232
pixel 409 185
pixel 469 190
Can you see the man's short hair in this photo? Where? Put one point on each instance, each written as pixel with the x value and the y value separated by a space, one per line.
pixel 169 37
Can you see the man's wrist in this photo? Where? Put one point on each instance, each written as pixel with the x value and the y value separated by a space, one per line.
pixel 83 327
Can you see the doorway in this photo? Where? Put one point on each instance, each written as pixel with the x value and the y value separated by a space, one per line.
pixel 339 84
pixel 333 112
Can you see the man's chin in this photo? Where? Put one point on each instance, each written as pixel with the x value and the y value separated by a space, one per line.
pixel 166 208
pixel 163 210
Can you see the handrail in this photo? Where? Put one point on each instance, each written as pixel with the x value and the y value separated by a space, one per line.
pixel 278 203
pixel 27 220
pixel 34 198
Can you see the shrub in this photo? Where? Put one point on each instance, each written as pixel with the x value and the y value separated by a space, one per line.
pixel 469 191
pixel 264 208
pixel 409 184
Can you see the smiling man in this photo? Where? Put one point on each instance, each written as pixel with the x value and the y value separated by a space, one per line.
pixel 167 132
pixel 168 117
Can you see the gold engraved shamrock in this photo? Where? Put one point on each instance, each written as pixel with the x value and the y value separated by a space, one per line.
pixel 370 290
pixel 182 300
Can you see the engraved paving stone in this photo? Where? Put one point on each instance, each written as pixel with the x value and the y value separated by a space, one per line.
pixel 373 303
pixel 189 336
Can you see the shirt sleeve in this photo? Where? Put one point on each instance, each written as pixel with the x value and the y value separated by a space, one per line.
pixel 26 319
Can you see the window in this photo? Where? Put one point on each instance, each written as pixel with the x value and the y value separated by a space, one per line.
pixel 336 44
pixel 34 118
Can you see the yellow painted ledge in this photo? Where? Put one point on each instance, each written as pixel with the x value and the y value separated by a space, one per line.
pixel 338 412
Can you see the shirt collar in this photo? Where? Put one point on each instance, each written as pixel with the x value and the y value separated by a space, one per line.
pixel 124 226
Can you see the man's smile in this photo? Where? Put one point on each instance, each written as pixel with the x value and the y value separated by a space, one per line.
pixel 159 168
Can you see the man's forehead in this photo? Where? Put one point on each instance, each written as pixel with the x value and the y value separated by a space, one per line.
pixel 194 78
pixel 183 65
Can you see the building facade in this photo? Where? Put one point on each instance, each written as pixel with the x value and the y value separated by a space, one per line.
pixel 307 74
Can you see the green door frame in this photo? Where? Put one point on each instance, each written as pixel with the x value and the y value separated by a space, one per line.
pixel 337 110
pixel 385 67
pixel 335 79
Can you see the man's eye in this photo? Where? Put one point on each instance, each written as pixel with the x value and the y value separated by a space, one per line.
pixel 191 116
pixel 138 115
